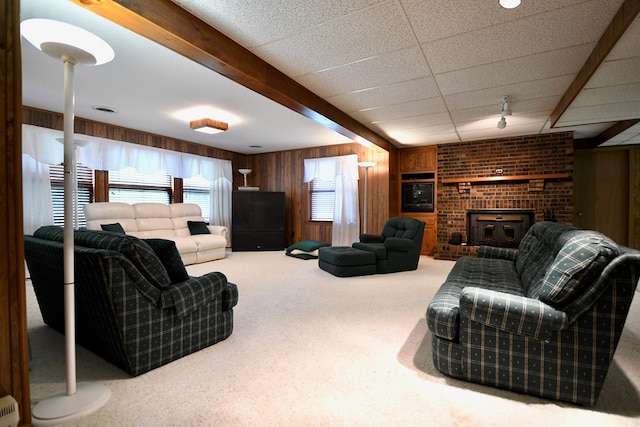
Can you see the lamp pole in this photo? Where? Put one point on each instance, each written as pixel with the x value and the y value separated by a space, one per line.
pixel 72 45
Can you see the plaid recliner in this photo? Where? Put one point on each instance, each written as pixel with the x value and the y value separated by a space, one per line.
pixel 544 319
pixel 128 310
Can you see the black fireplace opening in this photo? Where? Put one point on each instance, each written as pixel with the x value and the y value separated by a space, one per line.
pixel 498 227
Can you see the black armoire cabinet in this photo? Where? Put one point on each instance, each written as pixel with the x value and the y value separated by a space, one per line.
pixel 258 221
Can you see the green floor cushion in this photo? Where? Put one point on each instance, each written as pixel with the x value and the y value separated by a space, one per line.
pixel 306 249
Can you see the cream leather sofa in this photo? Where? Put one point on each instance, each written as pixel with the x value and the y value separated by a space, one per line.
pixel 157 220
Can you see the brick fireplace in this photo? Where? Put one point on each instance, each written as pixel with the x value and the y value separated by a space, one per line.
pixel 528 174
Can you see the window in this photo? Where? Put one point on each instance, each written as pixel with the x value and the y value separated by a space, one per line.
pixel 321 199
pixel 130 186
pixel 85 192
pixel 198 190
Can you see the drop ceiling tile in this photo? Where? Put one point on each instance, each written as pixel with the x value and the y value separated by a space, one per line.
pixel 621 71
pixel 600 113
pixel 369 32
pixel 533 35
pixel 535 67
pixel 428 138
pixel 550 89
pixel 432 20
pixel 627 46
pixel 256 22
pixel 414 122
pixel 510 130
pixel 607 95
pixel 407 109
pixel 396 93
pixel 383 70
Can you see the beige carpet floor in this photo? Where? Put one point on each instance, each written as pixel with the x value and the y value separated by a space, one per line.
pixel 310 349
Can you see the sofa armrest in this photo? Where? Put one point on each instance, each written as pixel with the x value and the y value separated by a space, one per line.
pixel 520 315
pixel 371 238
pixel 220 230
pixel 398 244
pixel 496 252
pixel 188 296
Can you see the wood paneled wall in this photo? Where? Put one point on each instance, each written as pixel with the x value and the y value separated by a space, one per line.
pixel 14 361
pixel 284 171
pixel 277 171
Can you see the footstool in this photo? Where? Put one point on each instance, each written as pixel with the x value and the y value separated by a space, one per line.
pixel 345 261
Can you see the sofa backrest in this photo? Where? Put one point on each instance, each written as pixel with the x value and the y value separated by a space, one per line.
pixel 557 262
pixel 139 253
pixel 581 255
pixel 100 213
pixel 144 220
pixel 536 252
pixel 153 220
pixel 181 213
pixel 404 227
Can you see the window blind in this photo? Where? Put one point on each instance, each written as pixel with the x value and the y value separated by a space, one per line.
pixel 85 192
pixel 130 186
pixel 322 196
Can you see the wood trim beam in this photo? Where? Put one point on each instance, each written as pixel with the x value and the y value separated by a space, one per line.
pixel 618 25
pixel 14 361
pixel 619 127
pixel 171 26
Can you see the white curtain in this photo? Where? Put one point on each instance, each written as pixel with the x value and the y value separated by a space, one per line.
pixel 220 203
pixel 36 194
pixel 346 213
pixel 45 146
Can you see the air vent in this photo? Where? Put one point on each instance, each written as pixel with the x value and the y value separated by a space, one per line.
pixel 9 415
pixel 104 109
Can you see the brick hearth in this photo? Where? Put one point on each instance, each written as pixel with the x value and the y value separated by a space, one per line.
pixel 515 157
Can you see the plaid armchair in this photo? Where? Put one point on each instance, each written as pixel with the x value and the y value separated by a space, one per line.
pixel 398 247
pixel 544 319
pixel 135 304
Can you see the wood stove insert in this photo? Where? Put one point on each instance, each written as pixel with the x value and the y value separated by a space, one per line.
pixel 498 227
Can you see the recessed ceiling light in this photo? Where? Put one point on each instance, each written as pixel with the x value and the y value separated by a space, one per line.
pixel 104 109
pixel 509 4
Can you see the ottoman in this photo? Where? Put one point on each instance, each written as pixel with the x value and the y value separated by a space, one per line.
pixel 345 261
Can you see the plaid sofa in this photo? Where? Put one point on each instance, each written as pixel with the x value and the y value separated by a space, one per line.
pixel 136 306
pixel 544 319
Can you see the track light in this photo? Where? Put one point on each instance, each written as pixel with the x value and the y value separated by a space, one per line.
pixel 506 106
pixel 505 110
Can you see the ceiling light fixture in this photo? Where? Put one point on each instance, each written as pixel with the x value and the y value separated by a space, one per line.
pixel 502 123
pixel 208 126
pixel 509 4
pixel 505 110
pixel 506 106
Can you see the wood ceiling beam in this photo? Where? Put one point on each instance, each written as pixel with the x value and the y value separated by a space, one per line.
pixel 169 25
pixel 617 27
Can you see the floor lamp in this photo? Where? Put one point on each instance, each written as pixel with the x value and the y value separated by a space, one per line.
pixel 366 166
pixel 73 46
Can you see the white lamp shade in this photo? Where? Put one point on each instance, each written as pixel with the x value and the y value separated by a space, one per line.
pixel 66 41
pixel 509 4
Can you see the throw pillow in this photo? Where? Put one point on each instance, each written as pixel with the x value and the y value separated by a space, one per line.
pixel 170 258
pixel 198 227
pixel 305 249
pixel 116 228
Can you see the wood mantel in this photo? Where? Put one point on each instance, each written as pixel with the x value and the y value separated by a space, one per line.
pixel 499 178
